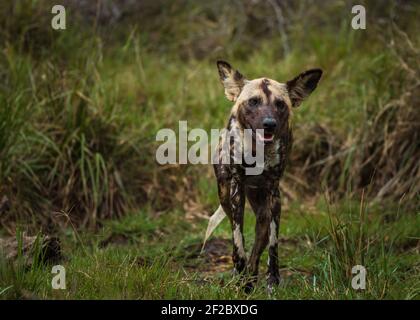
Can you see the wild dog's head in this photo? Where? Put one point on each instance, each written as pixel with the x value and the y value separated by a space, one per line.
pixel 265 103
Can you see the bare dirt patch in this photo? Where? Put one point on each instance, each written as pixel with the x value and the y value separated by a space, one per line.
pixel 214 258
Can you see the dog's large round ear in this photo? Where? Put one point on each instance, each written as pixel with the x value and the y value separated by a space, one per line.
pixel 233 81
pixel 302 86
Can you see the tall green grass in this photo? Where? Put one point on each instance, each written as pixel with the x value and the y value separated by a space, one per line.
pixel 23 276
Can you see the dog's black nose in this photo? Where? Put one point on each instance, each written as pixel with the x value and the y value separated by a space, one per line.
pixel 269 123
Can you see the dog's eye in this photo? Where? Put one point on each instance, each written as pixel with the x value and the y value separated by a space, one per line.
pixel 280 104
pixel 253 102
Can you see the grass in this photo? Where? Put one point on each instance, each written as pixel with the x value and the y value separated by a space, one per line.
pixel 157 257
pixel 79 112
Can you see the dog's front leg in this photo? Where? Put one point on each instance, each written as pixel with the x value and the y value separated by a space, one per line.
pixel 273 269
pixel 237 202
pixel 232 199
pixel 259 200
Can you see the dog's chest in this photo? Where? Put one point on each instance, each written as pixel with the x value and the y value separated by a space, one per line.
pixel 272 156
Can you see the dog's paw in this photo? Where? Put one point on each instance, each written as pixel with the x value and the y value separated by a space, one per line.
pixel 270 290
pixel 273 282
pixel 249 287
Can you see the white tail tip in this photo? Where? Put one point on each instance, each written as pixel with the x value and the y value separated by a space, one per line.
pixel 214 221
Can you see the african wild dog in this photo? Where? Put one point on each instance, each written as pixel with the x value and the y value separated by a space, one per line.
pixel 258 104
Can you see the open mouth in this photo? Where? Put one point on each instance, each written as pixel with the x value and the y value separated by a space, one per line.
pixel 266 137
